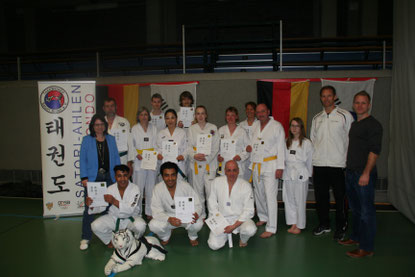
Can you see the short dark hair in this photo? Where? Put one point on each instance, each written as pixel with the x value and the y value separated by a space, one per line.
pixel 110 99
pixel 156 95
pixel 170 111
pixel 122 168
pixel 168 165
pixel 186 94
pixel 250 103
pixel 92 122
pixel 362 93
pixel 330 88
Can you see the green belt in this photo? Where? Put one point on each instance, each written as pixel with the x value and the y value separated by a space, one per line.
pixel 123 153
pixel 117 225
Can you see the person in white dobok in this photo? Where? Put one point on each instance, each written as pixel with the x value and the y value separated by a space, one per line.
pixel 163 206
pixel 248 124
pixel 267 165
pixel 175 135
pixel 143 137
pixel 233 197
pixel 123 211
pixel 203 166
pixel 157 116
pixel 119 127
pixel 298 169
pixel 232 134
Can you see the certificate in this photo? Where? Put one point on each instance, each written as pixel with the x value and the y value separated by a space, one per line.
pixel 96 191
pixel 149 160
pixel 121 137
pixel 228 148
pixel 185 208
pixel 217 223
pixel 170 151
pixel 204 144
pixel 257 155
pixel 186 116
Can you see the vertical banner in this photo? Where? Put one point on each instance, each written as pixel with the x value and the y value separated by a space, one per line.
pixel 170 92
pixel 285 98
pixel 65 110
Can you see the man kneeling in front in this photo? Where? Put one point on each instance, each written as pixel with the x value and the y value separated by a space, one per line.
pixel 123 211
pixel 233 198
pixel 164 209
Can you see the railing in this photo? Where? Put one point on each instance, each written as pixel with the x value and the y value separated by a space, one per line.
pixel 204 55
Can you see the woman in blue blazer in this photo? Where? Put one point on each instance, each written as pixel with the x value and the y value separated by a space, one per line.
pixel 99 155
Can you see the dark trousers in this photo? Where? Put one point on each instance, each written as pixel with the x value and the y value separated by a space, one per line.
pixel 88 218
pixel 361 200
pixel 324 178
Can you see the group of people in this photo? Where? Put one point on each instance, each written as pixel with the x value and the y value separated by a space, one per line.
pixel 236 173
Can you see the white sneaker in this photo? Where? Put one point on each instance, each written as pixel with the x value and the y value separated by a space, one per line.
pixel 84 244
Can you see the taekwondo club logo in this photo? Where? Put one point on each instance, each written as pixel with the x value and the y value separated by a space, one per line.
pixel 54 99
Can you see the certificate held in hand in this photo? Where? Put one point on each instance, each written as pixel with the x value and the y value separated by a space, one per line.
pixel 170 151
pixel 185 208
pixel 228 148
pixel 186 116
pixel 204 144
pixel 149 160
pixel 96 191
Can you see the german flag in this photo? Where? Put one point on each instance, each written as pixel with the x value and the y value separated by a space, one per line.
pixel 126 96
pixel 285 98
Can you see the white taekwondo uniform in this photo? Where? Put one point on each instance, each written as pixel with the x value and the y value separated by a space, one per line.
pixel 127 213
pixel 203 172
pixel 158 121
pixel 236 205
pixel 272 138
pixel 179 137
pixel 298 169
pixel 241 139
pixel 120 129
pixel 163 207
pixel 144 178
pixel 247 162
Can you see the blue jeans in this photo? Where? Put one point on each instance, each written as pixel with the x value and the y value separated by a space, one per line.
pixel 361 201
pixel 88 218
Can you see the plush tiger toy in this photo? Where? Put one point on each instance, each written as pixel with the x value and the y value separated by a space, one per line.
pixel 129 251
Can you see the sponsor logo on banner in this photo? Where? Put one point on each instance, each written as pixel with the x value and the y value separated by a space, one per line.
pixel 49 205
pixel 80 204
pixel 54 99
pixel 64 204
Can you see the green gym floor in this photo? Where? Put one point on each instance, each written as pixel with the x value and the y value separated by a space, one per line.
pixel 33 246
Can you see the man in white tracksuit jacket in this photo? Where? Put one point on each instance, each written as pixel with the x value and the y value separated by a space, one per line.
pixel 329 134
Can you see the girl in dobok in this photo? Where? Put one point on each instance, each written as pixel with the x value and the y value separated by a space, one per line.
pixel 234 140
pixel 143 137
pixel 170 139
pixel 203 147
pixel 298 169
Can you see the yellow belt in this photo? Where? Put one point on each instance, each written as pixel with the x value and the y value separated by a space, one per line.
pixel 140 151
pixel 196 166
pixel 267 159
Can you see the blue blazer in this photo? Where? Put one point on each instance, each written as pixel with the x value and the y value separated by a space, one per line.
pixel 89 157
